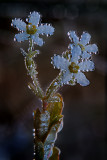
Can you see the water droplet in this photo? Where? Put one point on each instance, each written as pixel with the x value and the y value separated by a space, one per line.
pixel 34 134
pixel 33 129
pixel 68 33
pixel 14 39
pixel 26 19
pixel 67 82
pixel 69 46
pixel 55 83
pixel 33 114
pixel 29 87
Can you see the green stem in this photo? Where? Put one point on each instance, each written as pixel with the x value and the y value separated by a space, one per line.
pixel 54 86
pixel 30 45
pixel 31 68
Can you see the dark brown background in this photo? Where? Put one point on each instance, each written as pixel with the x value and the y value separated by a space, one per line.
pixel 83 135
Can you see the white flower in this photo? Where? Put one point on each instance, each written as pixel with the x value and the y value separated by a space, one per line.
pixel 86 48
pixel 32 30
pixel 72 70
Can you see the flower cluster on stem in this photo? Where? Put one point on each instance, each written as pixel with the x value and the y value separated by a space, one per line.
pixel 77 60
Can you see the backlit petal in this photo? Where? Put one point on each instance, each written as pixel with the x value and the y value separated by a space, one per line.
pixel 85 55
pixel 60 62
pixel 85 38
pixel 66 77
pixel 86 66
pixel 19 24
pixel 81 79
pixel 75 52
pixel 73 37
pixel 91 48
pixel 37 40
pixel 45 29
pixel 34 18
pixel 21 36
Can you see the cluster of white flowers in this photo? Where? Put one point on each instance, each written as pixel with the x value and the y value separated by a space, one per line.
pixel 73 62
pixel 77 60
pixel 32 29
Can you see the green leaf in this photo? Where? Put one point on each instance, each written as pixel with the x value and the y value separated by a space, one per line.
pixel 33 54
pixel 50 140
pixel 37 121
pixel 55 110
pixel 55 155
pixel 33 88
pixel 41 123
pixel 38 149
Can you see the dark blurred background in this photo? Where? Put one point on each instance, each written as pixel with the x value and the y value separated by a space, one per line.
pixel 83 135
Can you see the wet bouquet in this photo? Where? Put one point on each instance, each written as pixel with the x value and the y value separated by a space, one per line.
pixel 72 64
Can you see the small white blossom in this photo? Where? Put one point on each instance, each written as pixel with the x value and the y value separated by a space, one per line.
pixel 32 29
pixel 86 48
pixel 72 70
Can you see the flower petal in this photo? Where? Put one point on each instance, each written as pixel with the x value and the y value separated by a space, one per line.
pixel 81 79
pixel 86 66
pixel 70 46
pixel 60 62
pixel 34 18
pixel 67 76
pixel 73 37
pixel 45 29
pixel 75 52
pixel 19 24
pixel 37 40
pixel 91 48
pixel 21 36
pixel 85 55
pixel 85 38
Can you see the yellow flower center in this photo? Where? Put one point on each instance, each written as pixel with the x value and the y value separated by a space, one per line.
pixel 73 68
pixel 82 47
pixel 31 29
